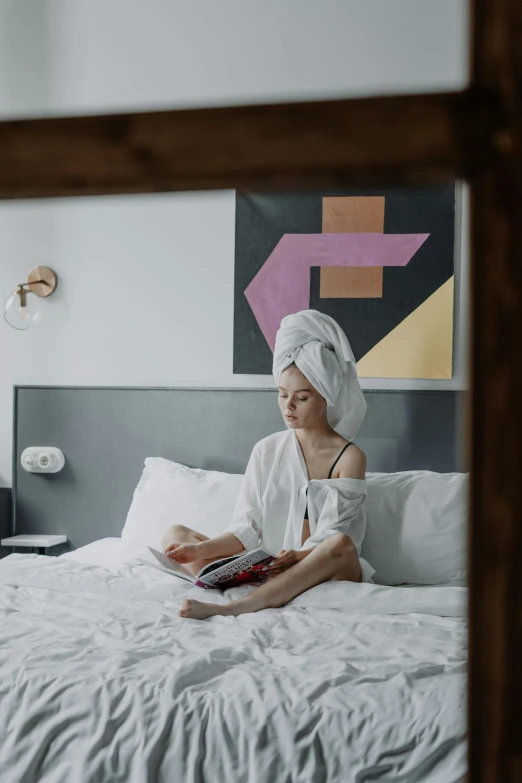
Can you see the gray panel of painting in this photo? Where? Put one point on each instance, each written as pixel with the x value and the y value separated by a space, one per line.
pixel 106 434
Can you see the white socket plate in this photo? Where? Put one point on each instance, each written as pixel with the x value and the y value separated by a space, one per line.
pixel 42 459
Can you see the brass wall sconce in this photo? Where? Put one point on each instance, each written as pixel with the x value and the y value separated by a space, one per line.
pixel 20 309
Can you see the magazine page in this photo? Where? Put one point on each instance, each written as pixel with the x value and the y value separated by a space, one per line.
pixel 243 569
pixel 169 565
pixel 216 564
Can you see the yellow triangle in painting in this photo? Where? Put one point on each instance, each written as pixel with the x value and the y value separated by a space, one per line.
pixel 420 346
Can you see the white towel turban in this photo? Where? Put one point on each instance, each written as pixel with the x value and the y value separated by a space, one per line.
pixel 320 349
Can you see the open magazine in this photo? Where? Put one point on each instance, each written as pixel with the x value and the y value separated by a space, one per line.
pixel 245 568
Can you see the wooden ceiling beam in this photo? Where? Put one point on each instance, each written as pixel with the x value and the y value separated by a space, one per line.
pixel 394 139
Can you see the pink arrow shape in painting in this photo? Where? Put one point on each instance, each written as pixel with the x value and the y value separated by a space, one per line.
pixel 282 285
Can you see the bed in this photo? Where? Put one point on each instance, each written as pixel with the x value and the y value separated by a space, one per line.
pixel 102 681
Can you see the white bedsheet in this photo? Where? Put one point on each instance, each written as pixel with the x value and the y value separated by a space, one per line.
pixel 104 552
pixel 100 680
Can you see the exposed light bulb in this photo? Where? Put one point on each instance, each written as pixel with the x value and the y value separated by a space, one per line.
pixel 21 308
pixel 21 315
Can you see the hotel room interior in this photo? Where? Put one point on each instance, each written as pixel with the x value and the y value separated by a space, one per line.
pixel 175 179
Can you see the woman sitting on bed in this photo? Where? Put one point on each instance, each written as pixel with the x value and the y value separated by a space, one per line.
pixel 304 488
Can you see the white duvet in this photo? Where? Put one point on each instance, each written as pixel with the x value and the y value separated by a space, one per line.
pixel 100 680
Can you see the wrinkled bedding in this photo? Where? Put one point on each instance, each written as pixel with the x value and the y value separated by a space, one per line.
pixel 100 680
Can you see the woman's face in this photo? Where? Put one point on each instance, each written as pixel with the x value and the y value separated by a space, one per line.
pixel 301 404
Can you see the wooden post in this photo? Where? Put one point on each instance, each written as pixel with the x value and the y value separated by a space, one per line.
pixel 495 536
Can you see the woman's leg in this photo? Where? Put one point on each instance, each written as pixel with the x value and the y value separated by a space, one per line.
pixel 336 558
pixel 179 534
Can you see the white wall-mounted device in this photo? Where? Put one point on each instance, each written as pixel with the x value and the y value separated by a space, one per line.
pixel 42 459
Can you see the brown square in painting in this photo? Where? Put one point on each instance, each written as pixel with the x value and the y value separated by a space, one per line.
pixel 349 282
pixel 359 214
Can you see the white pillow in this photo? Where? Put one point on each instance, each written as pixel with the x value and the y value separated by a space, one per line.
pixel 416 527
pixel 169 493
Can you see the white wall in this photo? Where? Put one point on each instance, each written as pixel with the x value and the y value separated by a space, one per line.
pixel 146 282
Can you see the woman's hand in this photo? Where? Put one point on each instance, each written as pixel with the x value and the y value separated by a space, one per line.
pixel 284 560
pixel 183 553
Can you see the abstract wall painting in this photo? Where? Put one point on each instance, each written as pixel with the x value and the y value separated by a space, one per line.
pixel 380 261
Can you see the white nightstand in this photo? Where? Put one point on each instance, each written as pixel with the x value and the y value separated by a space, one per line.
pixel 37 544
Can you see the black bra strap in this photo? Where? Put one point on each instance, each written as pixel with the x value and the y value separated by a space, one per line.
pixel 329 475
pixel 337 460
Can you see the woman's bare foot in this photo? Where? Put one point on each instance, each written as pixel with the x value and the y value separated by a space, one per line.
pixel 197 610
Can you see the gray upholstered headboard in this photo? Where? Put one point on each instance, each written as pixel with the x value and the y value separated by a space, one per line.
pixel 106 433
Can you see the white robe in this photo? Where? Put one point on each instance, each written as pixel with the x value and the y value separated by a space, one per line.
pixel 271 505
